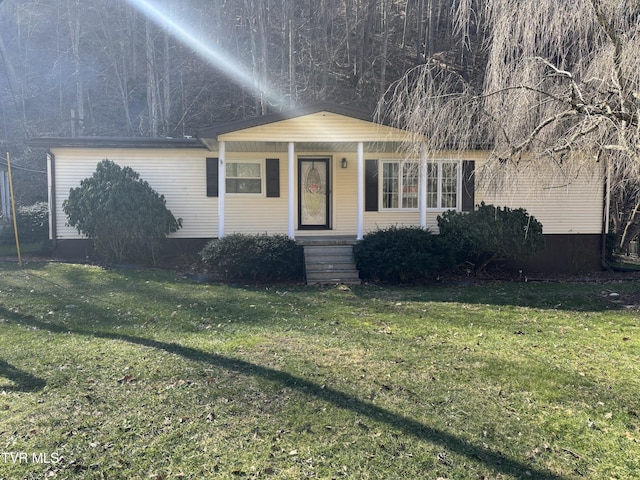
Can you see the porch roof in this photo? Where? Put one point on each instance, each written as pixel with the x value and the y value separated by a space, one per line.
pixel 321 127
pixel 213 131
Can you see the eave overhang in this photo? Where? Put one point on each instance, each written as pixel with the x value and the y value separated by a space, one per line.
pixel 114 142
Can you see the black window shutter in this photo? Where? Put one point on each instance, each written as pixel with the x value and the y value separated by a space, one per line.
pixel 212 177
pixel 272 168
pixel 371 186
pixel 468 185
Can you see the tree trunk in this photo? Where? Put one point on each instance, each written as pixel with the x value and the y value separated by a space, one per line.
pixel 419 29
pixel 324 55
pixel 291 26
pixel 429 38
pixel 385 45
pixel 13 85
pixel 166 85
pixel 152 87
pixel 365 25
pixel 262 23
pixel 77 114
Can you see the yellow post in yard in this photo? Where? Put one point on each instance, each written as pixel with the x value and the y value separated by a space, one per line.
pixel 13 209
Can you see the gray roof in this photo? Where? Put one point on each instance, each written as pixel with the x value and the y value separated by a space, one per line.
pixel 210 132
pixel 115 142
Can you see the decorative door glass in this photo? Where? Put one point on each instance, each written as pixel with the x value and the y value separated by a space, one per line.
pixel 314 193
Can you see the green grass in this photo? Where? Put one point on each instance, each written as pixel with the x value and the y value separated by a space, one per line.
pixel 143 374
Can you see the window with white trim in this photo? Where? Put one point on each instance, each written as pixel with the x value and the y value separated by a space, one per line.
pixel 443 184
pixel 400 184
pixel 244 177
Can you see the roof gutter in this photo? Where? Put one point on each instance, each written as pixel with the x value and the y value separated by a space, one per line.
pixel 114 142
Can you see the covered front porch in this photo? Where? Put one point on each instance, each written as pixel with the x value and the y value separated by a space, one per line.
pixel 315 166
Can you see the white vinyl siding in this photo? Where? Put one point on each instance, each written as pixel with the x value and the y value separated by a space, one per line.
pixel 255 214
pixel 564 204
pixel 178 174
pixel 251 213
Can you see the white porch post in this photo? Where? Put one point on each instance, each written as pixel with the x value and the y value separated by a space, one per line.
pixel 360 173
pixel 222 187
pixel 422 182
pixel 51 196
pixel 291 190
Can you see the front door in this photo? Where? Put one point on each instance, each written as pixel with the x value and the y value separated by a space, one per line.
pixel 313 193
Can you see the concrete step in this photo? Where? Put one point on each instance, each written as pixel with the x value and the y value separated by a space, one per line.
pixel 347 277
pixel 332 250
pixel 326 264
pixel 330 266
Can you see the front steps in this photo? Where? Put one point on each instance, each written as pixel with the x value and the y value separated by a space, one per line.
pixel 329 263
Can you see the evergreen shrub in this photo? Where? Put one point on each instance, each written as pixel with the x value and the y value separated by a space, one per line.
pixel 401 255
pixel 254 257
pixel 121 213
pixel 490 234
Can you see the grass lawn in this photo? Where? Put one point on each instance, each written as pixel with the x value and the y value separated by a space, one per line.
pixel 139 374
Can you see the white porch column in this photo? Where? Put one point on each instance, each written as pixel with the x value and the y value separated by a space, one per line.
pixel 291 191
pixel 360 173
pixel 51 196
pixel 222 186
pixel 422 182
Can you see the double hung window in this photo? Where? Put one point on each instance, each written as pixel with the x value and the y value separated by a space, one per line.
pixel 442 184
pixel 400 184
pixel 244 177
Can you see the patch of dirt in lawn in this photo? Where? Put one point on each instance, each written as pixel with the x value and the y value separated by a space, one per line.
pixel 628 300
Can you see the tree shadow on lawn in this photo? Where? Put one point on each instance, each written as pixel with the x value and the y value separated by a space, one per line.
pixel 130 298
pixel 493 460
pixel 22 381
pixel 561 296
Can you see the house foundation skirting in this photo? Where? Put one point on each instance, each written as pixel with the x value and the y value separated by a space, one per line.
pixel 82 249
pixel 563 253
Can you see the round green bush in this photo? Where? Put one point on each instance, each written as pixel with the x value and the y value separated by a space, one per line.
pixel 400 255
pixel 491 234
pixel 254 257
pixel 123 215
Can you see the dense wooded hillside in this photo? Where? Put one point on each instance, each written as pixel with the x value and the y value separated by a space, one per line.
pixel 142 68
pixel 118 67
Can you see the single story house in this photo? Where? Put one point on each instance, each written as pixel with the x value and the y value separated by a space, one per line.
pixel 323 172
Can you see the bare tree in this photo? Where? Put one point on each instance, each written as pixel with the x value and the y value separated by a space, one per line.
pixel 290 29
pixel 384 23
pixel 562 82
pixel 77 114
pixel 152 80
